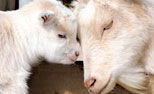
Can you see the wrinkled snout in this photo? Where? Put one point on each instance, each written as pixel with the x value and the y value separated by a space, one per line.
pixel 96 80
pixel 74 53
pixel 90 83
pixel 96 87
pixel 74 57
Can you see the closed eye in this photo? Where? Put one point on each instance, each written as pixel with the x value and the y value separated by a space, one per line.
pixel 77 38
pixel 108 26
pixel 62 36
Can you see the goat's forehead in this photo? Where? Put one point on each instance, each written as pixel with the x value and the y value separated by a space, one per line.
pixel 93 18
pixel 68 26
pixel 94 11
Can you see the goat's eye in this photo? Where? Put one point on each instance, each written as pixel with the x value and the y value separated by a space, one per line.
pixel 61 36
pixel 77 38
pixel 108 26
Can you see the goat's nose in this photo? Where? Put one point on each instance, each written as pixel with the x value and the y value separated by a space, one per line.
pixel 89 83
pixel 76 53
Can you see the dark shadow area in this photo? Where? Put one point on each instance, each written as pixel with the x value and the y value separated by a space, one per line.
pixel 61 79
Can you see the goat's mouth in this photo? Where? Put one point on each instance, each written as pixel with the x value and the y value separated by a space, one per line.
pixel 72 59
pixel 105 87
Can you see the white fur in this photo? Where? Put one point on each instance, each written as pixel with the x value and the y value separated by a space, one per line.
pixel 124 52
pixel 25 37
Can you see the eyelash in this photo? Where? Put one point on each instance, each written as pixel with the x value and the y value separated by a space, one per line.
pixel 62 36
pixel 107 28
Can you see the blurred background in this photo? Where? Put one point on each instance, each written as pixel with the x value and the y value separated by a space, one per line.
pixel 9 4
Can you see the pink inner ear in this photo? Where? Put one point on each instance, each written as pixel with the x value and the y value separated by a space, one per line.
pixel 45 18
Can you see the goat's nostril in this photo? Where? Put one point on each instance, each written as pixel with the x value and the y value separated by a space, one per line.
pixel 89 83
pixel 76 53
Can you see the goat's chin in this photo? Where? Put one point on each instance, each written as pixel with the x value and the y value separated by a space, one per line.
pixel 108 88
pixel 134 80
pixel 62 61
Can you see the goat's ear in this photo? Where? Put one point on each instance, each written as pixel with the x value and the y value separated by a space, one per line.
pixel 47 16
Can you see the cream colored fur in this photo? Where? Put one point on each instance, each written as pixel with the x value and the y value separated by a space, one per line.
pixel 122 54
pixel 31 33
